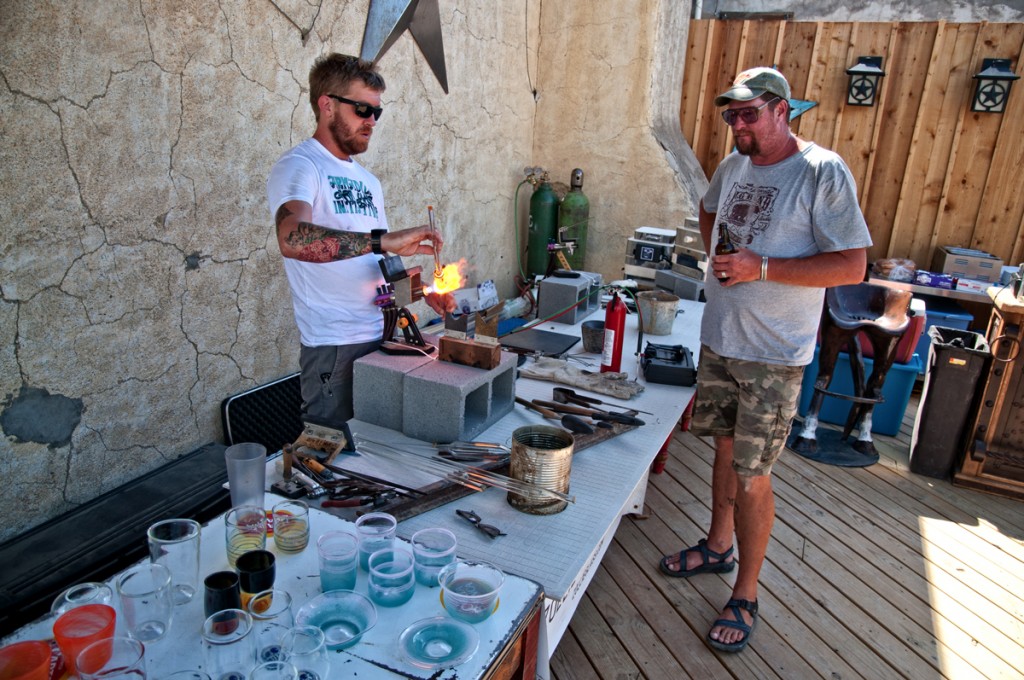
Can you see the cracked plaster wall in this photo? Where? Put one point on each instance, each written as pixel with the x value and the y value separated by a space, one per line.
pixel 140 281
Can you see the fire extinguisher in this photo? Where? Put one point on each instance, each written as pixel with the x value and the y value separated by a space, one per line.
pixel 614 327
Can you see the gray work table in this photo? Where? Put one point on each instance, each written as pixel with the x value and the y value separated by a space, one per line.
pixel 561 552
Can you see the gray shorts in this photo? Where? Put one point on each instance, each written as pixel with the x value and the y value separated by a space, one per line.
pixel 326 381
pixel 752 402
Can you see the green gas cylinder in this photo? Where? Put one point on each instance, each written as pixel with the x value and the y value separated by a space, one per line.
pixel 573 215
pixel 543 223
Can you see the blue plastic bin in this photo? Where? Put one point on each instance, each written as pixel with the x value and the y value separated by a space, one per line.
pixel 940 312
pixel 887 416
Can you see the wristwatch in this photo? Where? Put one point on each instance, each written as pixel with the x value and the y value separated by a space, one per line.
pixel 375 235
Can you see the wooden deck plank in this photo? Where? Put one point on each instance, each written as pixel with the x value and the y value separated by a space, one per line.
pixel 604 651
pixel 787 540
pixel 871 572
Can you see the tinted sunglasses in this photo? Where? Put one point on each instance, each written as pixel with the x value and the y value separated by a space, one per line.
pixel 362 109
pixel 748 115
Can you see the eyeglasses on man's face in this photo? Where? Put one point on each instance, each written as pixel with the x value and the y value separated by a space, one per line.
pixel 748 115
pixel 362 109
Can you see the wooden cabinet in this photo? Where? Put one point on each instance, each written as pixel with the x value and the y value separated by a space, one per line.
pixel 994 462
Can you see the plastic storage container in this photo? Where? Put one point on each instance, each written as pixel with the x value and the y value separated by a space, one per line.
pixel 956 361
pixel 887 416
pixel 945 313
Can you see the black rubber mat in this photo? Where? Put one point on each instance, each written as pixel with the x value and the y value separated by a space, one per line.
pixel 270 414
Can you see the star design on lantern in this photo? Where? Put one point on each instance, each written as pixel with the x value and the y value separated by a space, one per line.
pixel 386 20
pixel 862 89
pixel 991 95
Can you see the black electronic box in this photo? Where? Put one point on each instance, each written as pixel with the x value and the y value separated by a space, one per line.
pixel 668 365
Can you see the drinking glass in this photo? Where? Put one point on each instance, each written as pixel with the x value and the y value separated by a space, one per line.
pixel 246 527
pixel 391 581
pixel 256 570
pixel 174 543
pixel 26 660
pixel 247 473
pixel 81 594
pixel 78 628
pixel 274 670
pixel 120 658
pixel 376 531
pixel 271 612
pixel 306 648
pixel 432 550
pixel 145 594
pixel 338 552
pixel 229 647
pixel 291 526
pixel 221 591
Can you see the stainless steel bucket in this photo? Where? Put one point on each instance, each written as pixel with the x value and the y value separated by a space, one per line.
pixel 542 456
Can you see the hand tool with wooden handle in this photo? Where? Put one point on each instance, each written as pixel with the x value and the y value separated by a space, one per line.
pixel 565 395
pixel 596 414
pixel 569 422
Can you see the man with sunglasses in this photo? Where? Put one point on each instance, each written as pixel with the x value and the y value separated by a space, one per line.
pixel 791 207
pixel 331 229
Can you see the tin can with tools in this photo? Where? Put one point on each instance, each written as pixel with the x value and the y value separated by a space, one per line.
pixel 542 456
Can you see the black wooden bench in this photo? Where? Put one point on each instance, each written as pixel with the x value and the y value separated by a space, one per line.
pixel 105 535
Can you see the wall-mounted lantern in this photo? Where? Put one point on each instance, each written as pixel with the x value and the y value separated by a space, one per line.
pixel 993 86
pixel 864 77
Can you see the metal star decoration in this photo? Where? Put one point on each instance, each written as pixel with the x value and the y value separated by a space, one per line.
pixel 388 19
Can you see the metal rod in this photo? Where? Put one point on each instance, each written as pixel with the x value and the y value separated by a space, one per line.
pixel 457 472
pixel 438 271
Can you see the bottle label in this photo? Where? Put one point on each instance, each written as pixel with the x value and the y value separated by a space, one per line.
pixel 608 354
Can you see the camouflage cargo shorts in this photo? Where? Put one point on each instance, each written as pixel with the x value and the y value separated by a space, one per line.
pixel 750 401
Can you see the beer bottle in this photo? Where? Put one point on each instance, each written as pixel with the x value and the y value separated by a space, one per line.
pixel 725 245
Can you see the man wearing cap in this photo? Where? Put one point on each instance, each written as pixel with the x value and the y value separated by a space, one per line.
pixel 791 208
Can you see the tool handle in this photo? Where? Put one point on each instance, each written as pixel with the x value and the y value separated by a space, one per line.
pixel 567 408
pixel 532 405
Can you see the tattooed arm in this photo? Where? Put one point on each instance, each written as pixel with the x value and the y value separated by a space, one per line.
pixel 300 239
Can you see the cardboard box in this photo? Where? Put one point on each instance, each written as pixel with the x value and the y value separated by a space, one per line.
pixel 968 264
pixel 972 286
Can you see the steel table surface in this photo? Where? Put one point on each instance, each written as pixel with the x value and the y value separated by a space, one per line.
pixel 375 656
pixel 562 551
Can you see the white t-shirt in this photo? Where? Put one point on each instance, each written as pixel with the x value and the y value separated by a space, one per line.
pixel 333 301
pixel 803 205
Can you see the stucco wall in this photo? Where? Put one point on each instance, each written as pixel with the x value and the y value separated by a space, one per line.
pixel 140 281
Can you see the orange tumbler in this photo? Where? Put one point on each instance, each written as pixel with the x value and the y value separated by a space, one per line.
pixel 28 660
pixel 78 628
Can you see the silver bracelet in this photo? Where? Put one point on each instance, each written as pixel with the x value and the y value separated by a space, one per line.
pixel 764 268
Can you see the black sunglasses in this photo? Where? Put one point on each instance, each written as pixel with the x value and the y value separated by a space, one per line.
pixel 362 109
pixel 475 520
pixel 748 115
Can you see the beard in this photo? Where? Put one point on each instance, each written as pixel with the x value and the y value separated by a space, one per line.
pixel 350 142
pixel 747 145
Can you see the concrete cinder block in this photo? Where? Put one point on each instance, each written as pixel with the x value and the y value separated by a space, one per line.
pixel 445 402
pixel 377 386
pixel 555 294
pixel 679 285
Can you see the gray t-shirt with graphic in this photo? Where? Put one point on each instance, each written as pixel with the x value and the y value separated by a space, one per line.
pixel 801 206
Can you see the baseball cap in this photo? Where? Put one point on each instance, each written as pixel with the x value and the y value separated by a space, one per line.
pixel 753 83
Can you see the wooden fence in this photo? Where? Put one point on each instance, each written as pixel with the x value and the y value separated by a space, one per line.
pixel 930 172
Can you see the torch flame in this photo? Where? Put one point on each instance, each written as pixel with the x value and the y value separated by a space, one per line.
pixel 450 279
